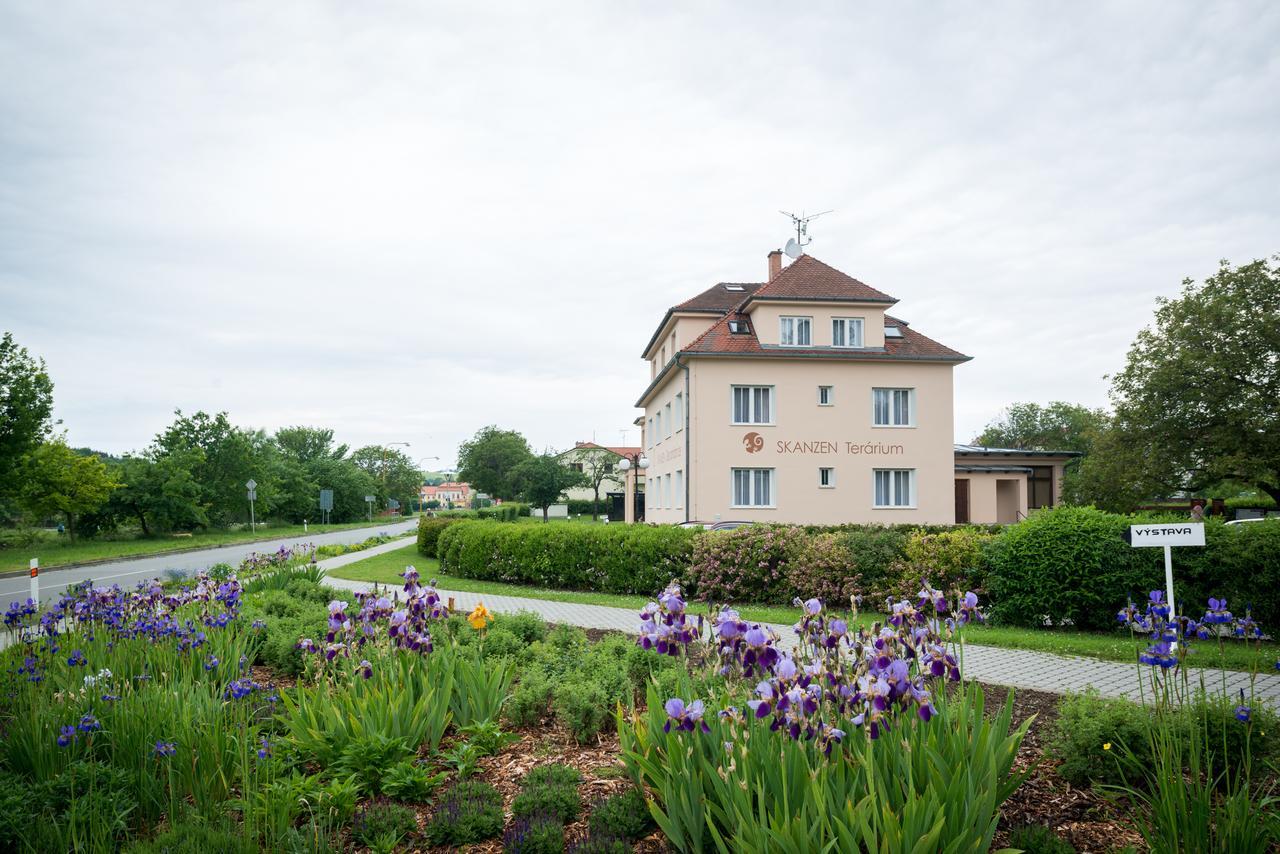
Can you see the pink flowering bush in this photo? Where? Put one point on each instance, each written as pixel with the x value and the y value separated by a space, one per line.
pixel 749 564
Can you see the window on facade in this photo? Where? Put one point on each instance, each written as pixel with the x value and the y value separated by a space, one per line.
pixel 666 495
pixel 657 493
pixel 825 396
pixel 576 466
pixel 846 332
pixel 666 414
pixel 826 477
pixel 892 407
pixel 752 404
pixel 679 488
pixel 895 487
pixel 679 412
pixel 1040 487
pixel 753 487
pixel 648 432
pixel 795 331
pixel 657 427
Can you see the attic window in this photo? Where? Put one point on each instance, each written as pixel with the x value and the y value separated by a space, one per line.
pixel 892 332
pixel 739 327
pixel 737 288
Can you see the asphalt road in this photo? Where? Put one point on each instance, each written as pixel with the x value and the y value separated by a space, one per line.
pixel 127 572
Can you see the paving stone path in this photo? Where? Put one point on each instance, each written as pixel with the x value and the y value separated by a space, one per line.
pixel 1016 668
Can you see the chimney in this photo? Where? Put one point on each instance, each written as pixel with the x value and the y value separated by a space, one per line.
pixel 775 264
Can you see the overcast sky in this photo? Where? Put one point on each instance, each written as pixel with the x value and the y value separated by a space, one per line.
pixel 407 220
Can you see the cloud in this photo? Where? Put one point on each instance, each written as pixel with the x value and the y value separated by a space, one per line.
pixel 406 221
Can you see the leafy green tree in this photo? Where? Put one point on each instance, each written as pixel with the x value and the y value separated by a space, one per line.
pixel 490 458
pixel 305 444
pixel 1200 391
pixel 57 480
pixel 1058 426
pixel 350 484
pixel 231 456
pixel 395 473
pixel 597 465
pixel 26 408
pixel 1116 476
pixel 541 480
pixel 161 494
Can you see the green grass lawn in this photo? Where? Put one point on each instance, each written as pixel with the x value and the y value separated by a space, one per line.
pixel 60 552
pixel 383 568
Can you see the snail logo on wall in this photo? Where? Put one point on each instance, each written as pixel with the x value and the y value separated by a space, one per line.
pixel 754 442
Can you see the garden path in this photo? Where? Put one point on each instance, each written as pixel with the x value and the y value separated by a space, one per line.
pixel 1016 668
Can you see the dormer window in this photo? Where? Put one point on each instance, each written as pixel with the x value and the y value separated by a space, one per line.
pixel 846 332
pixel 892 332
pixel 739 327
pixel 737 289
pixel 795 331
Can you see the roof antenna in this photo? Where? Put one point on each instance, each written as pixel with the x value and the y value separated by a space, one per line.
pixel 795 245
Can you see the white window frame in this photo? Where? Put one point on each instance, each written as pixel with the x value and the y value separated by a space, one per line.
pixel 666 495
pixel 679 488
pixel 789 327
pixel 831 395
pixel 666 416
pixel 891 412
pixel 753 405
pixel 831 479
pixel 753 484
pixel 648 433
pixel 848 323
pixel 657 492
pixel 892 484
pixel 679 411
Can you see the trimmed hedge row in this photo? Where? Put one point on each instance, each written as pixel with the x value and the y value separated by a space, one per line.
pixel 613 559
pixel 429 530
pixel 1068 565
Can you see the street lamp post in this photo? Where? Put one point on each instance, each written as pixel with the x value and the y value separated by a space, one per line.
pixel 421 503
pixel 631 466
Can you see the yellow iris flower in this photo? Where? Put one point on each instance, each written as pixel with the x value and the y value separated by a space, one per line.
pixel 479 617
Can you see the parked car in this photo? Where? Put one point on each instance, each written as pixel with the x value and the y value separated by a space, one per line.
pixel 1258 519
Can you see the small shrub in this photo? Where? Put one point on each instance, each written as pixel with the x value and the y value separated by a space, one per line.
pixel 582 706
pixel 469 812
pixel 560 801
pixel 370 757
pixel 622 815
pixel 949 560
pixel 595 843
pixel 487 737
pixel 537 834
pixel 382 821
pixel 16 810
pixel 555 774
pixel 1088 735
pixel 1038 839
pixel 526 625
pixel 196 837
pixel 411 782
pixel 531 698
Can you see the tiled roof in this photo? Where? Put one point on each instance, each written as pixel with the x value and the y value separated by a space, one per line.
pixel 912 345
pixel 620 450
pixel 720 297
pixel 807 278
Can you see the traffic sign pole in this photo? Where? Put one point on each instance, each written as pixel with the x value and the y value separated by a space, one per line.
pixel 35 580
pixel 252 486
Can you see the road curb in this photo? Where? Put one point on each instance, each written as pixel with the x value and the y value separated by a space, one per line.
pixel 18 573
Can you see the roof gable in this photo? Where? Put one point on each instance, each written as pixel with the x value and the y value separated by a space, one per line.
pixel 809 279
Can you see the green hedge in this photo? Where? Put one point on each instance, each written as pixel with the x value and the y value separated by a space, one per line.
pixel 582 506
pixel 429 530
pixel 612 559
pixel 507 512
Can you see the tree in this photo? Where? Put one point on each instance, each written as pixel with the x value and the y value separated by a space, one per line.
pixel 231 457
pixel 305 444
pixel 1200 392
pixel 395 472
pixel 55 479
pixel 1059 426
pixel 541 480
pixel 161 494
pixel 596 464
pixel 488 461
pixel 26 408
pixel 1116 475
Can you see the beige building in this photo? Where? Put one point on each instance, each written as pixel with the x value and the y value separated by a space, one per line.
pixel 1004 484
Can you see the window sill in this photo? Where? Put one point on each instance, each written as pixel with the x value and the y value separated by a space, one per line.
pixel 893 426
pixel 753 424
pixel 753 507
pixel 828 486
pixel 894 507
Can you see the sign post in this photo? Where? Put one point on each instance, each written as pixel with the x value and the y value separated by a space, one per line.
pixel 368 500
pixel 252 486
pixel 35 580
pixel 1167 535
pixel 326 505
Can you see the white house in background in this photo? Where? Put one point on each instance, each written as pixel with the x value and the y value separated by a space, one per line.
pixel 579 458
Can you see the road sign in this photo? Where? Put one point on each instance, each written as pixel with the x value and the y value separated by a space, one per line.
pixel 251 484
pixel 1167 535
pixel 326 499
pixel 369 498
pixel 253 495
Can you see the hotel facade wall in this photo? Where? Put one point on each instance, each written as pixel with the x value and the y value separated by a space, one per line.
pixel 802 438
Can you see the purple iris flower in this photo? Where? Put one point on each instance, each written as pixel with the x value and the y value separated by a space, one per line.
pixel 365 669
pixel 165 748
pixel 77 659
pixel 1159 655
pixel 265 750
pixel 813 607
pixel 211 662
pixel 89 723
pixel 1217 613
pixel 685 717
pixel 66 735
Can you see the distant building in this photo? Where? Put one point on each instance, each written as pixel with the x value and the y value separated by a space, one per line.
pixel 448 494
pixel 579 459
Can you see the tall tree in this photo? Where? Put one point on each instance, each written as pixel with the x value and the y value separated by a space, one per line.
pixel 1200 391
pixel 488 461
pixel 305 444
pixel 541 480
pixel 231 457
pixel 55 479
pixel 1057 426
pixel 26 408
pixel 394 471
pixel 161 494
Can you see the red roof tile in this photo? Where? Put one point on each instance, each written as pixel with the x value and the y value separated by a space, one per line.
pixel 912 345
pixel 807 278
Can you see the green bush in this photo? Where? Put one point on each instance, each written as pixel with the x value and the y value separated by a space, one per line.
pixel 16 810
pixel 196 837
pixel 469 812
pixel 560 801
pixel 555 774
pixel 383 822
pixel 411 782
pixel 530 699
pixel 825 568
pixel 609 558
pixel 625 815
pixel 1088 734
pixel 582 506
pixel 1038 839
pixel 537 834
pixel 429 529
pixel 600 843
pixel 526 625
pixel 951 561
pixel 749 564
pixel 508 512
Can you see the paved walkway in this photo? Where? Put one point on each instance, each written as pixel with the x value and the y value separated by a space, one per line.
pixel 1016 668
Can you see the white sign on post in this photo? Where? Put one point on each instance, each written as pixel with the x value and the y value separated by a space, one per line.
pixel 1167 535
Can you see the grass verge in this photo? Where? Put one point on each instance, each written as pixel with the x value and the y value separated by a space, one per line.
pixel 383 568
pixel 53 552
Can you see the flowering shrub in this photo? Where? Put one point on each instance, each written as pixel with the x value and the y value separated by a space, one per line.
pixel 747 564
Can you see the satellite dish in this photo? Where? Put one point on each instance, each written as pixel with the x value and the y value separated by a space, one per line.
pixel 793 249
